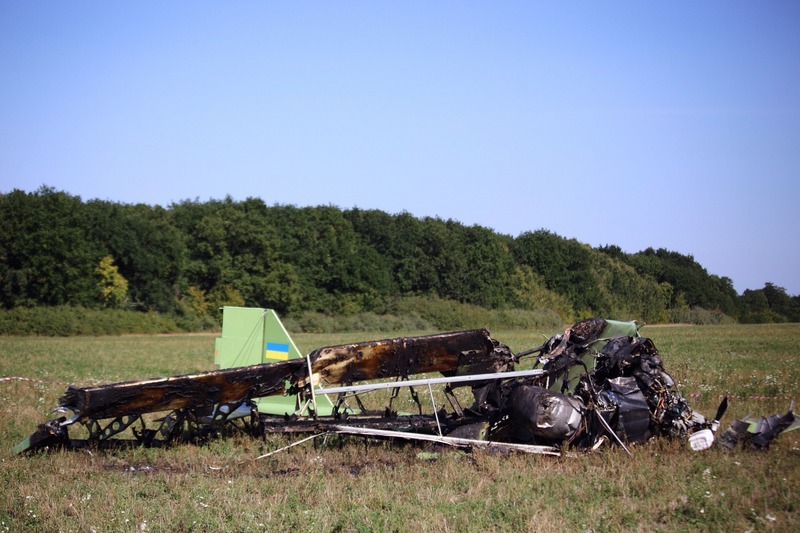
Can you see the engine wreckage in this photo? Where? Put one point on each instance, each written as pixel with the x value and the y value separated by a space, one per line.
pixel 597 383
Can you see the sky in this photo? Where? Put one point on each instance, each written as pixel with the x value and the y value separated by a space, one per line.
pixel 639 124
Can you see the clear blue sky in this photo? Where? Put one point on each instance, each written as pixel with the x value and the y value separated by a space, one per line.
pixel 665 124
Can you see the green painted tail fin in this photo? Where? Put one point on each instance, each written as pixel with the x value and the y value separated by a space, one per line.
pixel 252 336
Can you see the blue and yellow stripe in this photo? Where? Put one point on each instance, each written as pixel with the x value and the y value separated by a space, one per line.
pixel 276 350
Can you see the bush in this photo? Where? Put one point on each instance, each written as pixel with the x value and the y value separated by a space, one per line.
pixel 63 321
pixel 409 314
pixel 422 315
pixel 699 316
pixel 444 314
pixel 192 317
pixel 311 322
pixel 524 319
pixel 450 315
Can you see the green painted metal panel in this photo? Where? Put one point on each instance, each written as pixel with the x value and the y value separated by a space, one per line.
pixel 242 332
pixel 614 328
pixel 276 345
pixel 617 328
pixel 276 337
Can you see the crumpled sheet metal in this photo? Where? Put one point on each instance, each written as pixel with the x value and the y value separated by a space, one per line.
pixel 547 416
pixel 620 380
pixel 758 433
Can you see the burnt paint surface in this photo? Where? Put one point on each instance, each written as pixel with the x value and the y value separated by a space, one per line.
pixel 191 390
pixel 460 352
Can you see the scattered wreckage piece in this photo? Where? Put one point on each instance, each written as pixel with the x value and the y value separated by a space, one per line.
pixel 758 433
pixel 448 440
pixel 597 382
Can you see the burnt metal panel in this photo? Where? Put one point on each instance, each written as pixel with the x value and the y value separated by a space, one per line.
pixel 455 353
pixel 177 392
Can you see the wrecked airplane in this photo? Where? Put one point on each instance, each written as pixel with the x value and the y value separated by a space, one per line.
pixel 597 383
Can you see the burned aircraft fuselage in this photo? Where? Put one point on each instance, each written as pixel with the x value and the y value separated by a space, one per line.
pixel 597 382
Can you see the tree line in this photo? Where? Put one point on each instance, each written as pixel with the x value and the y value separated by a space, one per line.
pixel 193 257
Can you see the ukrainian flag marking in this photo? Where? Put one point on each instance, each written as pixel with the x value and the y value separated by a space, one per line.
pixel 276 350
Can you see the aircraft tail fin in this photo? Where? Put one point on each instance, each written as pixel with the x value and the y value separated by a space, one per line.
pixel 251 336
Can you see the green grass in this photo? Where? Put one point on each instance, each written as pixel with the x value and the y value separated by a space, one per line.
pixel 351 484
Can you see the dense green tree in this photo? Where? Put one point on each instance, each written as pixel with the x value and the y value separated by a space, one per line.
pixel 691 283
pixel 528 291
pixel 620 292
pixel 782 307
pixel 403 242
pixel 113 287
pixel 724 296
pixel 45 255
pixel 337 269
pixel 413 269
pixel 489 267
pixel 146 246
pixel 195 256
pixel 563 264
pixel 233 254
pixel 756 307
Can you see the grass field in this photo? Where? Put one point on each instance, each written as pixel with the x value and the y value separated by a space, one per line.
pixel 359 485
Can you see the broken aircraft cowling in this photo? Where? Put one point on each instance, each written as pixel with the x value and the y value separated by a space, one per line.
pixel 532 413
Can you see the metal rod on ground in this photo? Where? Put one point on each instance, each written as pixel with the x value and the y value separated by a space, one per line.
pixel 301 441
pixel 452 441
